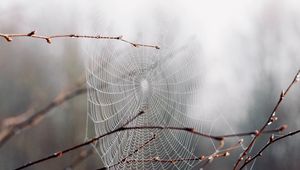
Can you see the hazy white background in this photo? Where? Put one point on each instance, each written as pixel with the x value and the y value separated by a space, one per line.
pixel 249 53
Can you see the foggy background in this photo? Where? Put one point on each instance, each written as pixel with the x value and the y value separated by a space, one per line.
pixel 249 52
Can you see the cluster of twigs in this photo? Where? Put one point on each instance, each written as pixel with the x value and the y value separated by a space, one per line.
pixel 11 126
pixel 125 128
pixel 270 120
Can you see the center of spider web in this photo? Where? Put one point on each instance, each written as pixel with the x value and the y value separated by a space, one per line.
pixel 144 85
pixel 144 93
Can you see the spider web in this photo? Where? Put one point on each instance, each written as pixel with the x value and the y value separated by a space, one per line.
pixel 165 84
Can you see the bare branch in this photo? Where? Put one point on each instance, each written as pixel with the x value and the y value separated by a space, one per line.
pixel 270 120
pixel 13 125
pixel 84 154
pixel 93 140
pixel 190 130
pixel 49 38
pixel 271 141
pixel 173 161
pixel 131 154
pixel 221 153
pixel 122 128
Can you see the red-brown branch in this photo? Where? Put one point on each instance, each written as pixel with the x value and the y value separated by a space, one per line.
pixel 49 38
pixel 271 141
pixel 93 140
pixel 83 155
pixel 271 119
pixel 131 154
pixel 13 125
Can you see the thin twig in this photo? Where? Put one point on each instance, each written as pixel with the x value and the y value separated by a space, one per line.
pixel 280 129
pixel 217 154
pixel 131 154
pixel 13 125
pixel 173 161
pixel 49 38
pixel 271 141
pixel 270 120
pixel 190 130
pixel 193 131
pixel 93 140
pixel 224 153
pixel 84 154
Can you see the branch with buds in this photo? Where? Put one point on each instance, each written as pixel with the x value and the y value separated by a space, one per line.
pixel 13 125
pixel 271 141
pixel 49 38
pixel 269 121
